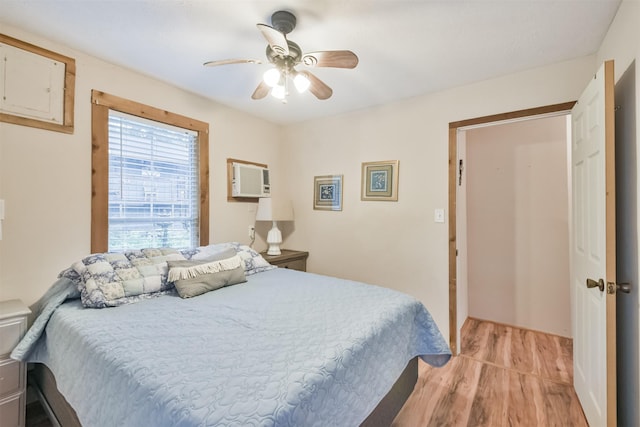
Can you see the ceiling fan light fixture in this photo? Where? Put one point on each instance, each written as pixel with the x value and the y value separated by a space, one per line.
pixel 301 82
pixel 285 55
pixel 271 77
pixel 279 92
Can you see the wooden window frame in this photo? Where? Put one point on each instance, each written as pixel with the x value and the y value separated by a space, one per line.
pixel 69 89
pixel 101 103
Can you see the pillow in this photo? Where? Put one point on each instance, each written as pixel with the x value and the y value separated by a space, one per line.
pixel 253 261
pixel 113 279
pixel 193 278
pixel 206 252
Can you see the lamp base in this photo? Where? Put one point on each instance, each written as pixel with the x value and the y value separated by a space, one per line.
pixel 274 250
pixel 274 238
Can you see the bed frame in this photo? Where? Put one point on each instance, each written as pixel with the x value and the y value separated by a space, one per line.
pixel 62 414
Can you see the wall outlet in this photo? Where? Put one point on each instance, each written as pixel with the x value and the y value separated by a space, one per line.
pixel 252 232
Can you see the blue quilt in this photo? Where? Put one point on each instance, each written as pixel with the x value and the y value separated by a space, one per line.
pixel 285 348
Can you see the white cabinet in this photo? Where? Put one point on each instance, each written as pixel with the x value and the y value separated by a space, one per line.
pixel 31 85
pixel 13 374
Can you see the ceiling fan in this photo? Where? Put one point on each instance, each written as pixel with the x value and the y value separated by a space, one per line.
pixel 285 55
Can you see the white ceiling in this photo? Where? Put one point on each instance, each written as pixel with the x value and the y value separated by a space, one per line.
pixel 406 47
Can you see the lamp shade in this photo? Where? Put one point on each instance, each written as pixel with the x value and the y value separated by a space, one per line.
pixel 274 209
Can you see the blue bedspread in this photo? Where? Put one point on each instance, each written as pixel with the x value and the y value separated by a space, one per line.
pixel 285 348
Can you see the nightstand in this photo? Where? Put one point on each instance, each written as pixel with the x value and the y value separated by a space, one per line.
pixel 295 260
pixel 13 374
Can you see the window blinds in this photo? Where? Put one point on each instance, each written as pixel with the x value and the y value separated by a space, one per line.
pixel 153 184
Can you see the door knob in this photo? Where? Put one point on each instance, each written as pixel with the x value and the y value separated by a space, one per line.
pixel 624 287
pixel 593 284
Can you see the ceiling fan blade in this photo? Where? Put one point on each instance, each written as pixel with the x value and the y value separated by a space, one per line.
pixel 231 61
pixel 261 91
pixel 275 38
pixel 317 86
pixel 331 58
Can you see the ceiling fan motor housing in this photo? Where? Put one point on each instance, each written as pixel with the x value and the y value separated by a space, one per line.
pixel 295 53
pixel 283 21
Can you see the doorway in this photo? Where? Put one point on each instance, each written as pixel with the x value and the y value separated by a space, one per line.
pixel 516 186
pixel 627 232
pixel 457 313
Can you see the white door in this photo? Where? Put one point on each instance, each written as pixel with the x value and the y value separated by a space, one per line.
pixel 594 249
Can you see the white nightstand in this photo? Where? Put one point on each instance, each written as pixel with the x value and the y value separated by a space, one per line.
pixel 13 374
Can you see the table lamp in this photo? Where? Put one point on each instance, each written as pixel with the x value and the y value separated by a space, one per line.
pixel 274 209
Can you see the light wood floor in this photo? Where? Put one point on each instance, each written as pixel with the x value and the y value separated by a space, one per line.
pixel 504 376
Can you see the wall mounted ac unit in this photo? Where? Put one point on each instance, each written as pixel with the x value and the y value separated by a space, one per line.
pixel 250 181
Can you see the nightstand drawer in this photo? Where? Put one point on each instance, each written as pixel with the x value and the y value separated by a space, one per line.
pixel 300 264
pixel 11 377
pixel 11 412
pixel 11 332
pixel 13 374
pixel 294 260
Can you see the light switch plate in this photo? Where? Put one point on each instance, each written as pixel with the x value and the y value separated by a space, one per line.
pixel 438 215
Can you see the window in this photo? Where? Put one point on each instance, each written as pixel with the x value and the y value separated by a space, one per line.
pixel 153 184
pixel 150 181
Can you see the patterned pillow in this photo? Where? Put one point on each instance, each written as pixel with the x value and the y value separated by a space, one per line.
pixel 253 261
pixel 113 279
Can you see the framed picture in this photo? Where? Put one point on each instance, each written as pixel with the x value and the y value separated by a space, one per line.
pixel 327 192
pixel 380 181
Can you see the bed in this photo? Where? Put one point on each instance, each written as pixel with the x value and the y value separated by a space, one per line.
pixel 282 348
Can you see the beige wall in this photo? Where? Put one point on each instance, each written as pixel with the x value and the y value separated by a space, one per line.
pixel 518 224
pixel 398 244
pixel 45 177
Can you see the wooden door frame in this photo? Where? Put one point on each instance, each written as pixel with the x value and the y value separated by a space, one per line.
pixel 454 127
